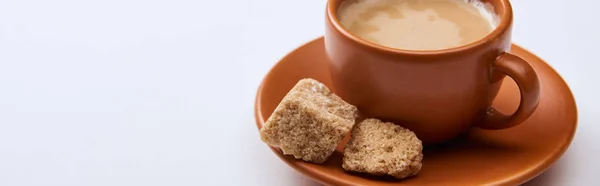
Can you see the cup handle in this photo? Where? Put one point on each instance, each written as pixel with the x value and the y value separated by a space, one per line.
pixel 529 87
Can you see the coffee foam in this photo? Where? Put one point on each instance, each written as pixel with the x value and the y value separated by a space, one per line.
pixel 412 25
pixel 486 10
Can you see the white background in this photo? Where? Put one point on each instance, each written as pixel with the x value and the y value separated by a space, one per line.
pixel 160 92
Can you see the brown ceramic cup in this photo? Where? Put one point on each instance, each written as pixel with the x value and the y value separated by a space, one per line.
pixel 438 94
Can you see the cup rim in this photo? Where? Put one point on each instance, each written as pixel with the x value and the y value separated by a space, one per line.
pixel 505 22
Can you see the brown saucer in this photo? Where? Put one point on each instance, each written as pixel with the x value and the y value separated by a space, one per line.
pixel 480 157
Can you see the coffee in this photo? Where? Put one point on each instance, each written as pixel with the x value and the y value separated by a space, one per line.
pixel 418 24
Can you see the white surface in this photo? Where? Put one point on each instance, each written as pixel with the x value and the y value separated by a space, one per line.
pixel 134 92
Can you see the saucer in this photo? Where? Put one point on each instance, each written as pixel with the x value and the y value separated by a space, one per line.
pixel 479 157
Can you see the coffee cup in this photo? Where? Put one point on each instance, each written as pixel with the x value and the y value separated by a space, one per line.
pixel 437 93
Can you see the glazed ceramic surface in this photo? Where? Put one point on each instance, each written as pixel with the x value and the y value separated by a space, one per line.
pixel 438 94
pixel 479 157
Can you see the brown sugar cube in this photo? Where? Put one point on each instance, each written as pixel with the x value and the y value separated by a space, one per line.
pixel 309 123
pixel 383 148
